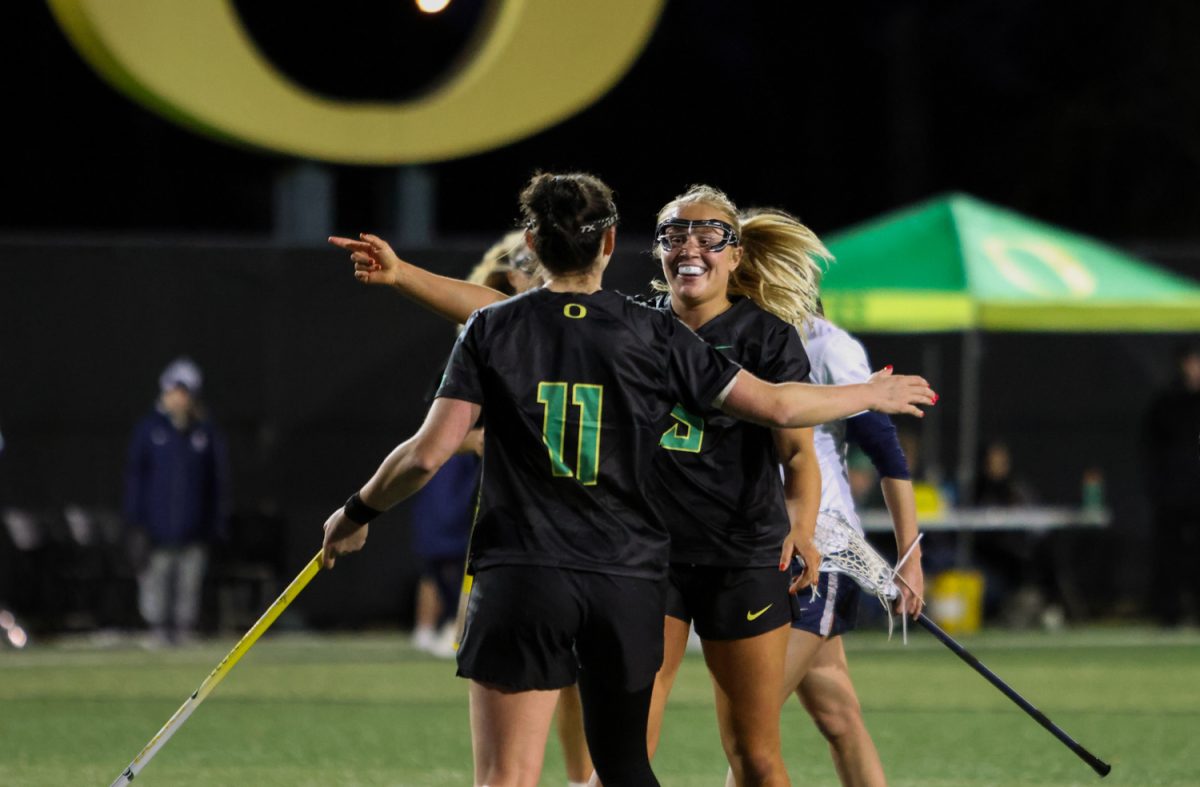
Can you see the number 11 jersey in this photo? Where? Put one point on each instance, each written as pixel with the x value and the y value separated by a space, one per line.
pixel 577 391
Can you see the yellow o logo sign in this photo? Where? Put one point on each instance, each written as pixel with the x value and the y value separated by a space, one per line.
pixel 575 311
pixel 540 62
pixel 1077 280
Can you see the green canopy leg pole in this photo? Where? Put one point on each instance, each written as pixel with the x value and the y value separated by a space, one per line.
pixel 968 432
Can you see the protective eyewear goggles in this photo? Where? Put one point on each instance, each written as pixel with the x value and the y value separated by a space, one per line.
pixel 709 234
pixel 524 262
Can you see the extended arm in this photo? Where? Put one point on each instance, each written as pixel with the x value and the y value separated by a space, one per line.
pixel 405 470
pixel 784 405
pixel 376 263
pixel 802 492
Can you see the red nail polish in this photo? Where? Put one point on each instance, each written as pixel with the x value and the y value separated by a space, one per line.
pixel 888 367
pixel 935 398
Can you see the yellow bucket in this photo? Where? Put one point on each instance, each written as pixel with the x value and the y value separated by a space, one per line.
pixel 929 500
pixel 955 601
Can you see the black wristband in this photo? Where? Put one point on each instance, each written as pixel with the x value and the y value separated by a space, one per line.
pixel 359 512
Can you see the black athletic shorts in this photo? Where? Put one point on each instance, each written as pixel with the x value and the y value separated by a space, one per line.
pixel 832 611
pixel 729 603
pixel 535 627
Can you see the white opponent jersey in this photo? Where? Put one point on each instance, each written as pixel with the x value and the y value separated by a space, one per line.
pixel 837 358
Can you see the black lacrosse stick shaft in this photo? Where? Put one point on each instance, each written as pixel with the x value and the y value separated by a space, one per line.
pixel 1098 765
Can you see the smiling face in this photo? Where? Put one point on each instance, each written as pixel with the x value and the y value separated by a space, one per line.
pixel 696 273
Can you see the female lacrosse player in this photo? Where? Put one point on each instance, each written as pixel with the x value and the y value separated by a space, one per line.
pixel 722 499
pixel 816 668
pixel 727 511
pixel 567 550
pixel 817 671
pixel 510 267
pixel 778 265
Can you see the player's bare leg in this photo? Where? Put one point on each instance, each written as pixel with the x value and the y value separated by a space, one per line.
pixel 747 674
pixel 675 638
pixel 568 722
pixel 508 734
pixel 828 695
pixel 802 650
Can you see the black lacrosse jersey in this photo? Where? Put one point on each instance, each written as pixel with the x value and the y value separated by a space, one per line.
pixel 578 390
pixel 721 497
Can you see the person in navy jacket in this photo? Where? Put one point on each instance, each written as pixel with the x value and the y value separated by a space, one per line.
pixel 176 490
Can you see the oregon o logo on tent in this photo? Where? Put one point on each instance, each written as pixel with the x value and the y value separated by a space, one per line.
pixel 1025 263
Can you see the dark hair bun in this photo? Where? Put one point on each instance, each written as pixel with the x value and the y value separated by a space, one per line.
pixel 567 214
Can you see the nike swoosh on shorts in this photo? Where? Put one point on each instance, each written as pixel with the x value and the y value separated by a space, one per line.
pixel 755 615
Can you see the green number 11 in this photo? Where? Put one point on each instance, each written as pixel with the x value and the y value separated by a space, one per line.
pixel 590 400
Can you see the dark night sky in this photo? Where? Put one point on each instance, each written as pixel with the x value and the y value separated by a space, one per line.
pixel 1087 118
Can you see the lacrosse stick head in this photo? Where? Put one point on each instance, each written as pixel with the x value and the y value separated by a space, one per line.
pixel 844 550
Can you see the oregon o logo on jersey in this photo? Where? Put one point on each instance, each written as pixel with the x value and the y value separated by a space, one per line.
pixel 575 311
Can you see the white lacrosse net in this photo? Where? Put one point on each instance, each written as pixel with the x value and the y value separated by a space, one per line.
pixel 844 550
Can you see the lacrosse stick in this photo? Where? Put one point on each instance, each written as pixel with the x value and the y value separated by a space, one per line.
pixel 844 550
pixel 218 674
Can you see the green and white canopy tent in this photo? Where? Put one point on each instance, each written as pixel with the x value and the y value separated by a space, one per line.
pixel 955 263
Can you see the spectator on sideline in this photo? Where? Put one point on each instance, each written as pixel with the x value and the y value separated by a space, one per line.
pixel 1018 580
pixel 176 490
pixel 1173 483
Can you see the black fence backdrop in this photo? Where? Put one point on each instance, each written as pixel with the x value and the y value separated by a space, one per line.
pixel 314 378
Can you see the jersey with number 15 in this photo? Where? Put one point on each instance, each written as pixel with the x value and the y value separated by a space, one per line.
pixel 721 496
pixel 578 390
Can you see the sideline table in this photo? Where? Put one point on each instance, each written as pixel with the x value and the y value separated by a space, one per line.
pixel 1035 520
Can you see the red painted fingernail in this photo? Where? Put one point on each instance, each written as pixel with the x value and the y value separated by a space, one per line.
pixel 935 398
pixel 888 367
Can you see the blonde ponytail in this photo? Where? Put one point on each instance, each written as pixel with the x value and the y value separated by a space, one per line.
pixel 782 264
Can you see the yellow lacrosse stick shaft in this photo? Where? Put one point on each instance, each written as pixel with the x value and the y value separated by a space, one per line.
pixel 217 675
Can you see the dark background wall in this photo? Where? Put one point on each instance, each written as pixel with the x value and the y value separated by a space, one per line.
pixel 315 378
pixel 312 378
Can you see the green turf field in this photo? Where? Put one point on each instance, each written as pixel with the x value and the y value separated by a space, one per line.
pixel 368 710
